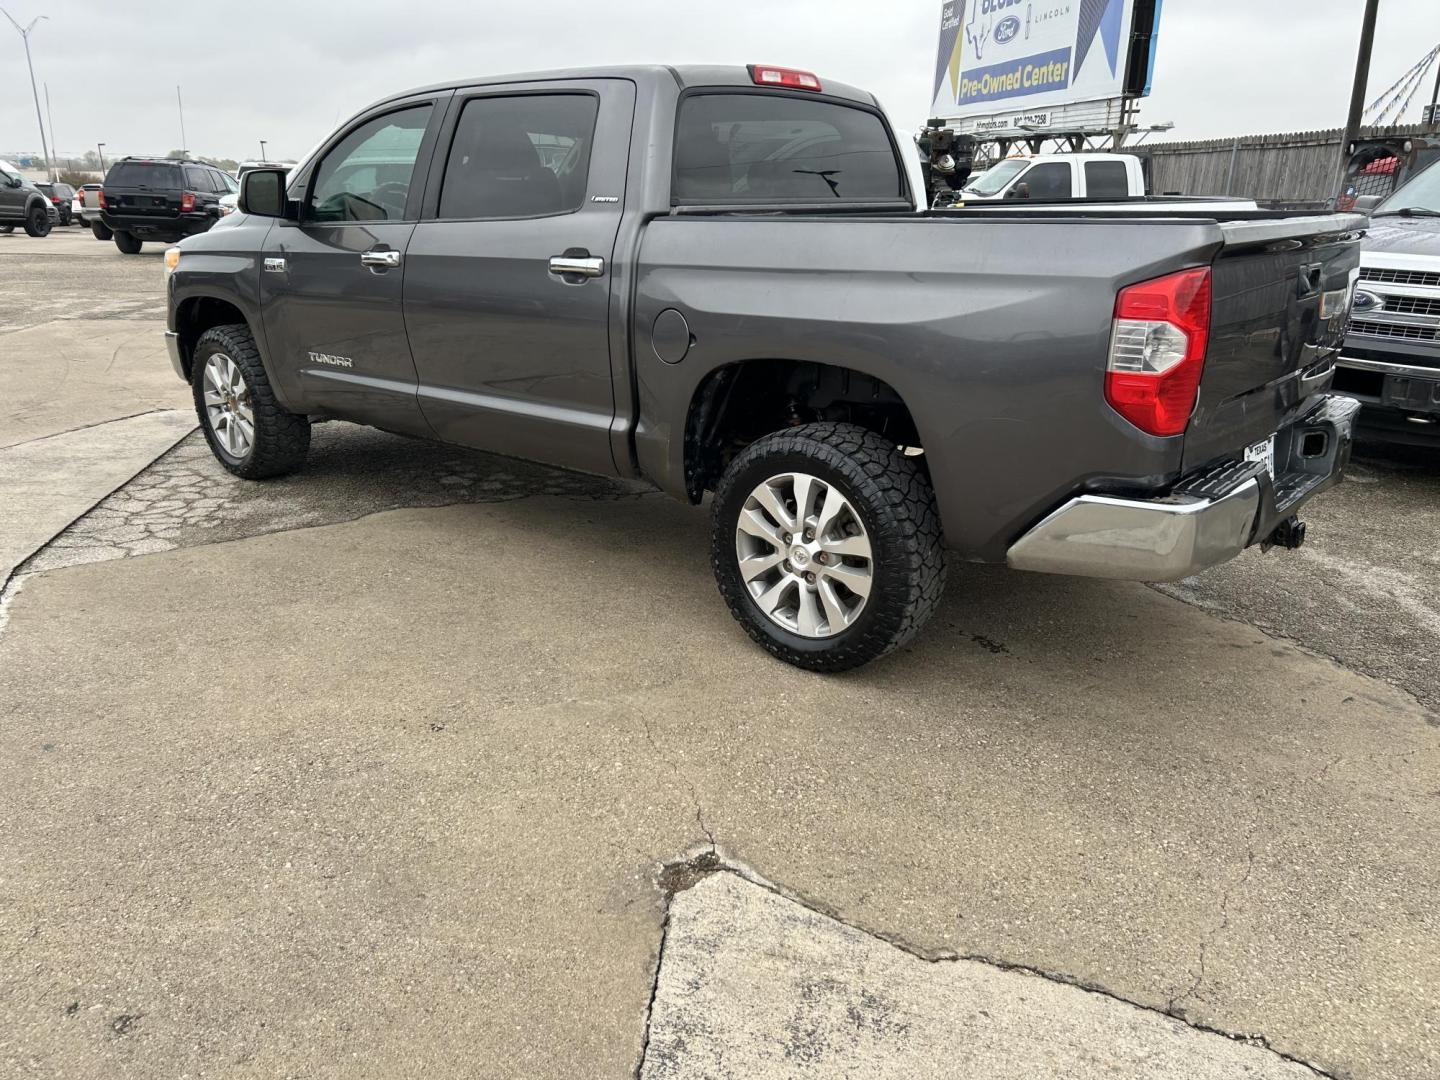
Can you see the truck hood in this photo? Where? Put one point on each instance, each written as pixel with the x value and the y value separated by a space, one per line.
pixel 1404 236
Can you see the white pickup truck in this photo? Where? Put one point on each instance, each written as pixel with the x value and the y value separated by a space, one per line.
pixel 1118 179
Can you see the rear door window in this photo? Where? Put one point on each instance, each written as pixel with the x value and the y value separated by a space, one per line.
pixel 1049 181
pixel 367 175
pixel 772 148
pixel 196 179
pixel 136 174
pixel 521 156
pixel 1106 180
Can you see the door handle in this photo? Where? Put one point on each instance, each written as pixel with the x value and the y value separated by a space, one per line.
pixel 566 265
pixel 386 259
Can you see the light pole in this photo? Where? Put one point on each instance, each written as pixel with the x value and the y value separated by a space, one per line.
pixel 262 151
pixel 50 116
pixel 100 149
pixel 25 33
pixel 1357 95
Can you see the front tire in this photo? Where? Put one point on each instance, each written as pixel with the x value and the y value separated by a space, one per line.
pixel 128 243
pixel 100 231
pixel 37 222
pixel 249 432
pixel 6 229
pixel 826 545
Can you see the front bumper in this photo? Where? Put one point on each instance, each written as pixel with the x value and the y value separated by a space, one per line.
pixel 1208 519
pixel 172 347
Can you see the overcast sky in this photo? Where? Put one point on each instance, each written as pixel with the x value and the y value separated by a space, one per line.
pixel 286 70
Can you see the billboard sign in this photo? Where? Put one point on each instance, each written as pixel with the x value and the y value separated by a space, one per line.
pixel 1033 57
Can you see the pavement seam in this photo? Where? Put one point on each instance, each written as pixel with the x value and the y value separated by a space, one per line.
pixel 1427 713
pixel 19 569
pixel 87 427
pixel 654 987
pixel 685 873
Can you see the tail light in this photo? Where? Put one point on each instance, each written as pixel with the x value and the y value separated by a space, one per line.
pixel 187 202
pixel 789 78
pixel 103 204
pixel 1157 351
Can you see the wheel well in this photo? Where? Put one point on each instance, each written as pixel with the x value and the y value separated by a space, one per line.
pixel 199 314
pixel 740 403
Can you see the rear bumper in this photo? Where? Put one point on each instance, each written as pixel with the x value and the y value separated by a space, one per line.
pixel 1207 520
pixel 158 227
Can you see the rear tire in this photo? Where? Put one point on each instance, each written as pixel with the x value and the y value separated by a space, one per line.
pixel 885 540
pixel 128 243
pixel 37 222
pixel 257 437
pixel 100 231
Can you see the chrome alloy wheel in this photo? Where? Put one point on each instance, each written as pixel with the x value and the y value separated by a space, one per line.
pixel 804 555
pixel 228 406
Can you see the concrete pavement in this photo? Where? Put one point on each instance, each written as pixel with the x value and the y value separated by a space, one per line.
pixel 424 764
pixel 753 985
pixel 373 771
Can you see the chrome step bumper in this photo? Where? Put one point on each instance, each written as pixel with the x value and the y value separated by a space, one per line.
pixel 1209 518
pixel 1104 537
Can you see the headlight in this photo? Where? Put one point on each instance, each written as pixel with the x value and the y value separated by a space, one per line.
pixel 172 260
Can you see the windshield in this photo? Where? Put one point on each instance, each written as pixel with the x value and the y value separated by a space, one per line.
pixel 1422 193
pixel 993 180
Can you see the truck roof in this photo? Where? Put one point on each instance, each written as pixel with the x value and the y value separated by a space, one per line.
pixel 683 77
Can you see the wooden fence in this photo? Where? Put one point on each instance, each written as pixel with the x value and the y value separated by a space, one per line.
pixel 1301 166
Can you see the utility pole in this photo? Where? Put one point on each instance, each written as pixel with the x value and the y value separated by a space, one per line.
pixel 184 146
pixel 25 34
pixel 1357 95
pixel 1435 97
pixel 54 175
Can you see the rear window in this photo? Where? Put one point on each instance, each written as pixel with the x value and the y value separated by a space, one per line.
pixel 769 148
pixel 144 174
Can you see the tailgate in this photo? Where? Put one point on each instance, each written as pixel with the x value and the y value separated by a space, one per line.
pixel 142 202
pixel 1282 291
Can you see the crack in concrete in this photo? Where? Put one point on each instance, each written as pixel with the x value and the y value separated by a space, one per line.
pixel 1172 1007
pixel 686 873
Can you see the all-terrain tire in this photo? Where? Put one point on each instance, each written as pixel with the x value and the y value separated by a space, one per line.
pixel 100 231
pixel 281 438
pixel 894 500
pixel 128 243
pixel 37 221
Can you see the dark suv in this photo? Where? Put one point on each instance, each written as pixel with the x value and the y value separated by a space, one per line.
pixel 161 199
pixel 59 196
pixel 22 203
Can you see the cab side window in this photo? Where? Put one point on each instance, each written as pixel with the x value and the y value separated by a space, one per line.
pixel 1049 181
pixel 367 175
pixel 521 156
pixel 1106 180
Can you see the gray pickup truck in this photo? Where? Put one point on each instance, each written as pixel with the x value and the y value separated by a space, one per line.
pixel 717 280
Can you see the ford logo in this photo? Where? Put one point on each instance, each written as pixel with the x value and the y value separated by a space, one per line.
pixel 1365 301
pixel 1007 29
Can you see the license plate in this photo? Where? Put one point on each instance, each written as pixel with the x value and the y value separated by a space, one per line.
pixel 1263 452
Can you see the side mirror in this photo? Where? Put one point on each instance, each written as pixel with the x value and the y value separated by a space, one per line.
pixel 13 181
pixel 1366 203
pixel 262 193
